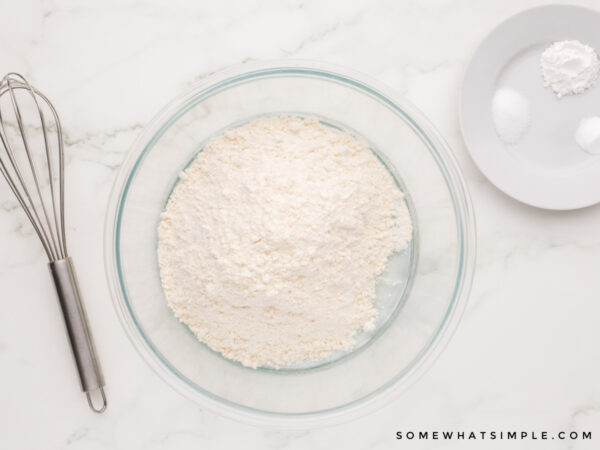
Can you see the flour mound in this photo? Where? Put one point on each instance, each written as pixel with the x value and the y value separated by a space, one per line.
pixel 270 246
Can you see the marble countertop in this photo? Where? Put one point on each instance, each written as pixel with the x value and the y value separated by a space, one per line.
pixel 526 355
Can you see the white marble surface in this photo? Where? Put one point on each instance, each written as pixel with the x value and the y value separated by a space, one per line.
pixel 526 355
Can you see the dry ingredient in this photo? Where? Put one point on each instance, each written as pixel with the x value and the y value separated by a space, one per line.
pixel 587 135
pixel 511 114
pixel 271 245
pixel 569 67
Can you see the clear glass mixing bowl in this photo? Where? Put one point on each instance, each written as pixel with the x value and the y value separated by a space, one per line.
pixel 425 290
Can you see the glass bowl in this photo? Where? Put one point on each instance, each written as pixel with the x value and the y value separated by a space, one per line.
pixel 421 295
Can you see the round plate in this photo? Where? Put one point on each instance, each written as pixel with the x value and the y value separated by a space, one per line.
pixel 545 168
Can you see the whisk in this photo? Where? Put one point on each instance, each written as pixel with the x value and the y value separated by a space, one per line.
pixel 40 192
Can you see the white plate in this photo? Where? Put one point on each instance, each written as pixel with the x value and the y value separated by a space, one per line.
pixel 546 168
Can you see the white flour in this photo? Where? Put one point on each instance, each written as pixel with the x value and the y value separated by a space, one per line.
pixel 569 67
pixel 271 244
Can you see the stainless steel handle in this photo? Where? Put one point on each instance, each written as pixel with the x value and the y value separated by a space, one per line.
pixel 78 330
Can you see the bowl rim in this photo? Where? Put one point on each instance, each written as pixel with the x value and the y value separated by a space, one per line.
pixel 463 210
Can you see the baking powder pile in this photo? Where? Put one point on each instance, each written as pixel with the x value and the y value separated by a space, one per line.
pixel 271 245
pixel 569 67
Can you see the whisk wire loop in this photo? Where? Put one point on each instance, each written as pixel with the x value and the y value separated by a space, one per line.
pixel 45 214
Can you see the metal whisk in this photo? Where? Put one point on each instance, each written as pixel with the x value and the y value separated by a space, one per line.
pixel 40 192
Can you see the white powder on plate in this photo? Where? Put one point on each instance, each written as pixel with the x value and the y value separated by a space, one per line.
pixel 271 245
pixel 511 114
pixel 569 67
pixel 587 135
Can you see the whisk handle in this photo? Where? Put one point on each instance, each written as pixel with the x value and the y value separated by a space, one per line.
pixel 80 337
